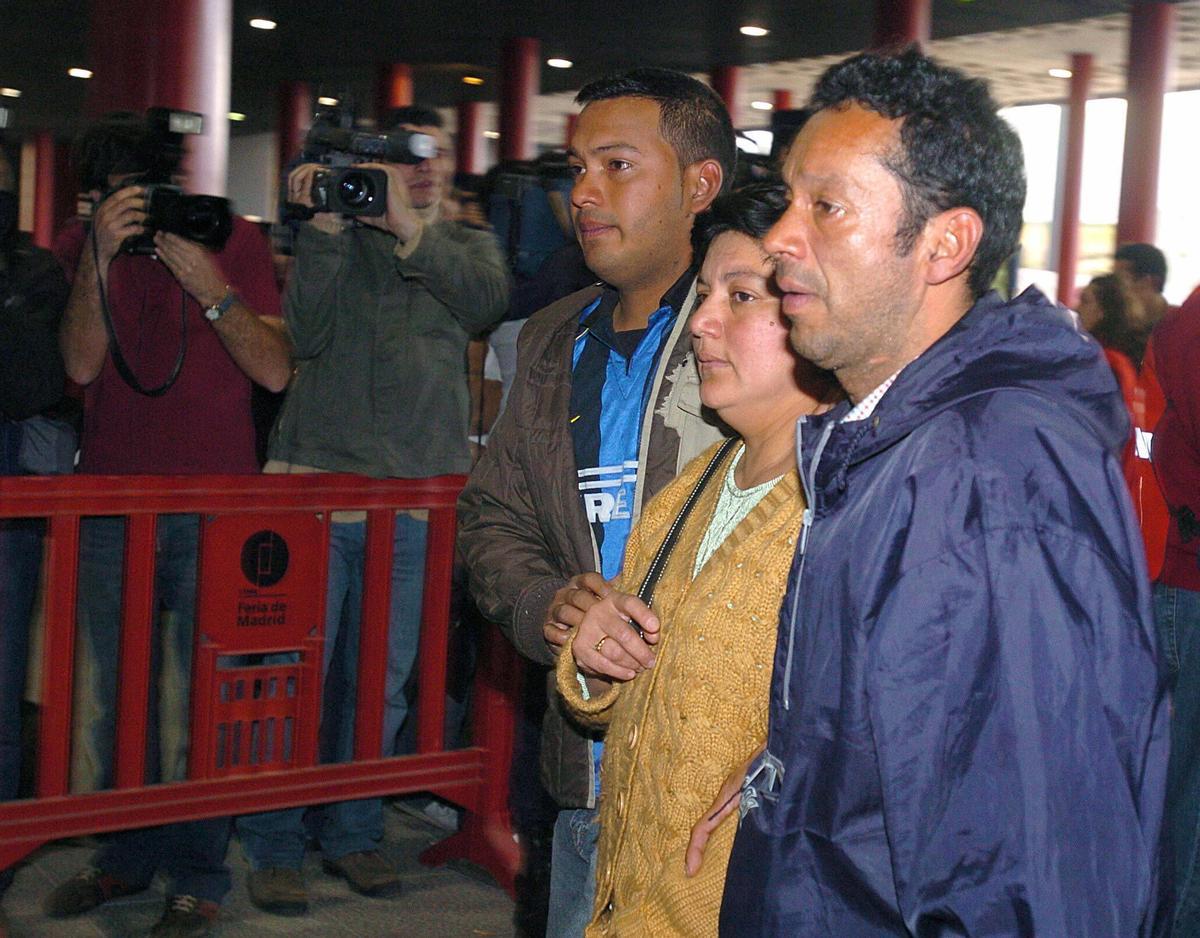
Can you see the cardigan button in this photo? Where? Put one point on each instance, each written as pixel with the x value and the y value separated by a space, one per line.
pixel 621 805
pixel 633 735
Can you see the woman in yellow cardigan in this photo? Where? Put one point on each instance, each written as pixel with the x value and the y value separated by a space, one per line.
pixel 687 704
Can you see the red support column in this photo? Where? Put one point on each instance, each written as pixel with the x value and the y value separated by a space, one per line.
pixel 177 55
pixel 724 80
pixel 44 221
pixel 520 80
pixel 900 23
pixel 569 129
pixel 1151 38
pixel 394 88
pixel 295 115
pixel 781 99
pixel 469 137
pixel 1072 178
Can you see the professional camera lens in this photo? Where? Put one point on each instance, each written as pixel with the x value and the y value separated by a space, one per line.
pixel 356 190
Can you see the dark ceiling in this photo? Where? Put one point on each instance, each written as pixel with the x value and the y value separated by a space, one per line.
pixel 339 45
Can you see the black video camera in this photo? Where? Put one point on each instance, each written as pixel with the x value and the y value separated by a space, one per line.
pixel 345 187
pixel 205 219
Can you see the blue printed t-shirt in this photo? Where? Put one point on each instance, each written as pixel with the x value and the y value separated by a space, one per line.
pixel 612 377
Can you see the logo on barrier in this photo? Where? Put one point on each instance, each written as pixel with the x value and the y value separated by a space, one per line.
pixel 264 558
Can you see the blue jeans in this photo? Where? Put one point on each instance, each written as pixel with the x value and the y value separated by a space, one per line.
pixel 191 854
pixel 572 872
pixel 20 562
pixel 1177 616
pixel 275 839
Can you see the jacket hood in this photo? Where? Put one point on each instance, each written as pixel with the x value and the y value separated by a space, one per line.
pixel 1028 343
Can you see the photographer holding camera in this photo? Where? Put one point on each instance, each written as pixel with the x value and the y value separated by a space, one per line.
pixel 166 345
pixel 381 303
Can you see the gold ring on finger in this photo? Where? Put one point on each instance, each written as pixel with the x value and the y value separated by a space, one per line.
pixel 600 644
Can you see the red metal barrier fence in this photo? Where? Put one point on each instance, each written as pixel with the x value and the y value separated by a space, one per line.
pixel 263 555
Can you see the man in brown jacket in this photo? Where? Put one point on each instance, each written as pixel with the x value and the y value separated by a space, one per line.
pixel 605 410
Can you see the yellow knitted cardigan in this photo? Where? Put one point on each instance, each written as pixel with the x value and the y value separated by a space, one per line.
pixel 675 732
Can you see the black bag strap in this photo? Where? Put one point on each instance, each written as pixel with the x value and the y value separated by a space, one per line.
pixel 658 564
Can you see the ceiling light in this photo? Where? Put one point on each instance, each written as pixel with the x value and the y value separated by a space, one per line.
pixel 236 116
pixel 756 31
pixel 328 102
pixel 559 63
pixel 492 134
pixel 1060 73
pixel 762 105
pixel 79 72
pixel 10 93
pixel 472 80
pixel 262 24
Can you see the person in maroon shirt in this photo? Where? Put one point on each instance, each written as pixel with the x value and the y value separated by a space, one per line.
pixel 195 328
pixel 1174 351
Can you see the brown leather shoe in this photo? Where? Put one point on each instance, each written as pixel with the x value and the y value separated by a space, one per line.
pixel 186 917
pixel 279 891
pixel 368 873
pixel 84 891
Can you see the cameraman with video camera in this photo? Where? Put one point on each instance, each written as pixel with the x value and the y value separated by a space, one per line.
pixel 166 335
pixel 383 297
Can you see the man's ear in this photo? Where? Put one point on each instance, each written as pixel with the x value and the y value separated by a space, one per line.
pixel 701 184
pixel 951 240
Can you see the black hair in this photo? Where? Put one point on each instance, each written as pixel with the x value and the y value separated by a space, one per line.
pixel 1145 260
pixel 955 150
pixel 119 143
pixel 750 210
pixel 415 114
pixel 692 119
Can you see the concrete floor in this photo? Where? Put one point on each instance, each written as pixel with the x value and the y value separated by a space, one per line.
pixel 446 902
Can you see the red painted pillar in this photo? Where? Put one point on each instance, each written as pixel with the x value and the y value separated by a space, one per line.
pixel 724 80
pixel 469 137
pixel 177 55
pixel 781 99
pixel 520 80
pixel 1151 37
pixel 569 128
pixel 1072 178
pixel 44 221
pixel 900 23
pixel 295 115
pixel 394 89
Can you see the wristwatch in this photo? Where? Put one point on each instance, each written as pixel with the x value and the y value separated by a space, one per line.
pixel 219 309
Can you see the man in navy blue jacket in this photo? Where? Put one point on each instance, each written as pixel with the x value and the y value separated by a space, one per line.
pixel 968 733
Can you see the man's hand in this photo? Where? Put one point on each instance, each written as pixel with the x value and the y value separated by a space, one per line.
pixel 726 802
pixel 118 217
pixel 193 266
pixel 299 192
pixel 401 219
pixel 569 605
pixel 607 644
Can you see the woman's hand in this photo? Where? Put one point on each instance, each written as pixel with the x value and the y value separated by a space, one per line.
pixel 728 798
pixel 607 643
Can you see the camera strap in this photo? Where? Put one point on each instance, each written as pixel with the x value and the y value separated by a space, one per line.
pixel 118 357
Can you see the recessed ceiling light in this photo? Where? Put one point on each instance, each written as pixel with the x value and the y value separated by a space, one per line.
pixel 492 134
pixel 1060 73
pixel 10 92
pixel 559 63
pixel 79 72
pixel 328 102
pixel 762 105
pixel 472 80
pixel 756 31
pixel 258 23
pixel 236 116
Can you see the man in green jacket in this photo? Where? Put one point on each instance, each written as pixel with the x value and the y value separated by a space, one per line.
pixel 380 311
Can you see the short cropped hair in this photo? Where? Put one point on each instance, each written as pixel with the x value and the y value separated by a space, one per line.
pixel 416 115
pixel 1145 260
pixel 955 150
pixel 693 118
pixel 750 210
pixel 119 143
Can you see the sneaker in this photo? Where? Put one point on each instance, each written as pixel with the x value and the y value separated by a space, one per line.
pixel 368 873
pixel 186 917
pixel 84 891
pixel 279 891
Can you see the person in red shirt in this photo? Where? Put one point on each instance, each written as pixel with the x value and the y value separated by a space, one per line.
pixel 167 383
